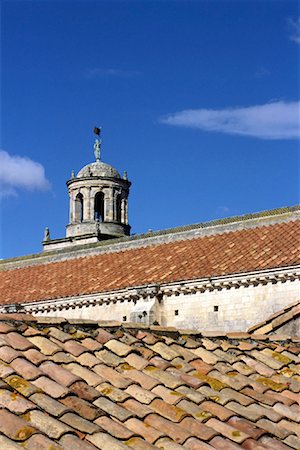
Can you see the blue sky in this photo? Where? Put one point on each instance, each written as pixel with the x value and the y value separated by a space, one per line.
pixel 198 101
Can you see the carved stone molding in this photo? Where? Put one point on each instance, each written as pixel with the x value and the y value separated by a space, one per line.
pixel 155 291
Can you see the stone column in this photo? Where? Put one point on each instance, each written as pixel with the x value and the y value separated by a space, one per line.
pixel 109 207
pixel 85 193
pixel 123 215
pixel 93 193
pixel 126 211
pixel 89 204
pixel 72 206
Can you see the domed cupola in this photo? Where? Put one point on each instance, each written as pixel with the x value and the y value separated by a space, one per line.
pixel 98 200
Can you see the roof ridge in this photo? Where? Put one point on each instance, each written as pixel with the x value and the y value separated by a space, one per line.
pixel 160 330
pixel 125 244
pixel 282 213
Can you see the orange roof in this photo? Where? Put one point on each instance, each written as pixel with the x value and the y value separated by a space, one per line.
pixel 84 385
pixel 245 250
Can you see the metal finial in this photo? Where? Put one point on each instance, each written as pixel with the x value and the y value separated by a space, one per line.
pixel 97 145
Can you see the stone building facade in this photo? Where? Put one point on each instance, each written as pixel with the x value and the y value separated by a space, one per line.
pixel 222 275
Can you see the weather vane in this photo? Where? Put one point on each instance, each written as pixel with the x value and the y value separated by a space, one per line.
pixel 97 145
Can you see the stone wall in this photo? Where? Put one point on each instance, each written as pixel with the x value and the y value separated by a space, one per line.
pixel 226 309
pixel 233 309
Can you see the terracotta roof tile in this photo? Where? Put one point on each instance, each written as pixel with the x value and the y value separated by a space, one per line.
pixel 49 404
pixel 191 394
pixel 250 444
pixel 159 362
pixel 21 385
pixel 247 427
pixel 164 377
pixel 118 347
pixel 273 428
pixel 136 361
pixel 230 252
pixel 220 443
pixel 5 370
pixel 25 369
pixel 34 356
pixel 111 408
pixel 273 444
pixel 175 432
pixel 194 444
pixel 104 440
pixel 145 381
pixel 82 407
pixel 80 424
pixel 109 358
pixel 139 444
pixel 142 395
pixel 171 412
pixel 51 388
pixel 14 427
pixel 138 409
pixel 116 379
pixel 112 392
pixel 199 429
pixel 58 373
pixel 46 346
pixel 17 341
pixel 194 410
pixel 204 396
pixel 42 443
pixel 49 425
pixel 83 390
pixel 8 354
pixel 74 347
pixel 88 375
pixel 216 410
pixel 115 428
pixel 292 441
pixel 147 432
pixel 168 395
pixel 14 402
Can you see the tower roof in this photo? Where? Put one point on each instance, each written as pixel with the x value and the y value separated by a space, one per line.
pixel 98 169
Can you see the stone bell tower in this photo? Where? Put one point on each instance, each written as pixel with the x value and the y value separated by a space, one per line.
pixel 98 204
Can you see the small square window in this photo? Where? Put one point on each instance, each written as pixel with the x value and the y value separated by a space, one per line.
pixel 124 318
pixel 216 308
pixel 176 312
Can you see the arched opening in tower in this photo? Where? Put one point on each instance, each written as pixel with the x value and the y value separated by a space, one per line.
pixel 99 207
pixel 118 208
pixel 79 208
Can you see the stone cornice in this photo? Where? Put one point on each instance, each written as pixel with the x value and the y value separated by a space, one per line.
pixel 187 287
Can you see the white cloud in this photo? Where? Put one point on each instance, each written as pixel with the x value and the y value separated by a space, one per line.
pixel 275 120
pixel 109 72
pixel 20 172
pixel 294 26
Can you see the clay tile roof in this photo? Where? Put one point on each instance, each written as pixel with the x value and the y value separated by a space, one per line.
pixel 84 386
pixel 242 250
